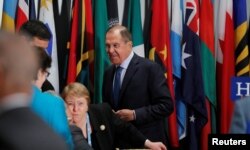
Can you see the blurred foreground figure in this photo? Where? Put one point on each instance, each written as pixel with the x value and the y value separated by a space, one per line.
pixel 49 107
pixel 20 128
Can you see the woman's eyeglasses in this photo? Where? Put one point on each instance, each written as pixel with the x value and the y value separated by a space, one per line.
pixel 47 73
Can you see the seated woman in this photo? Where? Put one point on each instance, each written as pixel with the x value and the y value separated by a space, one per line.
pixel 99 125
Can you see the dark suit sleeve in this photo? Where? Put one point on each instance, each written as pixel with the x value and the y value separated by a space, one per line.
pixel 21 129
pixel 161 104
pixel 125 129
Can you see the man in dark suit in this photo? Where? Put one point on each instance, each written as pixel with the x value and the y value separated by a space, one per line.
pixel 142 97
pixel 20 128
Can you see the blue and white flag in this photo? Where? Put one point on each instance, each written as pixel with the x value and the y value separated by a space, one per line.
pixel 47 17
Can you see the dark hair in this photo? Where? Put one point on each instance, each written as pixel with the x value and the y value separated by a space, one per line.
pixel 124 32
pixel 35 28
pixel 43 58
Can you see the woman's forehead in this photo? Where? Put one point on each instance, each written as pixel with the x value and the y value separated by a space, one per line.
pixel 75 98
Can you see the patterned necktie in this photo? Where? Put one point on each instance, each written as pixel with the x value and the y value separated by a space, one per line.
pixel 117 85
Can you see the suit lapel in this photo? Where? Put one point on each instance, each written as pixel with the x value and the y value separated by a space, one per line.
pixel 131 70
pixel 96 125
pixel 109 81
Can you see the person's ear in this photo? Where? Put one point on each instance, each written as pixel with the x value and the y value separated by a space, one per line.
pixel 130 43
pixel 40 73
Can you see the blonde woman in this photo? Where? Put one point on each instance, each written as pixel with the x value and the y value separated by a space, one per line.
pixel 99 125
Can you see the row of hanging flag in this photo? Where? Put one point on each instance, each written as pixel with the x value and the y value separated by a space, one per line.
pixel 200 44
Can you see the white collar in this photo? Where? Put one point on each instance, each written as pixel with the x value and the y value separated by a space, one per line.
pixel 126 62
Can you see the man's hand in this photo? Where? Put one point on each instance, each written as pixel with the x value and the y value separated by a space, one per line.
pixel 125 114
pixel 155 145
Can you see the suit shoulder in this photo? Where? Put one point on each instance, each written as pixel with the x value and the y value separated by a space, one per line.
pixel 49 102
pixel 147 62
pixel 101 106
pixel 54 98
pixel 29 124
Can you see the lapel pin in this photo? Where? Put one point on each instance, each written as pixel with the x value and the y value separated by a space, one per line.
pixel 102 127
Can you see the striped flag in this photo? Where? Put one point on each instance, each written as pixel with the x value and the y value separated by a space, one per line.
pixel 47 17
pixel 176 37
pixel 208 67
pixel 240 32
pixel 225 63
pixel 22 13
pixel 132 20
pixel 75 40
pixel 9 13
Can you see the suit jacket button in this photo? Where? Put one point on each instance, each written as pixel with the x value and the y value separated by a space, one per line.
pixel 102 127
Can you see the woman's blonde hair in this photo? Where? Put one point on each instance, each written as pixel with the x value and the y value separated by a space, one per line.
pixel 76 89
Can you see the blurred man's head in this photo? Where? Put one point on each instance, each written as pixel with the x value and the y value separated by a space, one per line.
pixel 44 64
pixel 18 64
pixel 37 32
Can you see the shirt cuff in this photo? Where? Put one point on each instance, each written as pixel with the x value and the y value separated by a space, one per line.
pixel 134 114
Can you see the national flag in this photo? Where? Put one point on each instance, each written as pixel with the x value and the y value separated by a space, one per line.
pixel 75 40
pixel 101 61
pixel 240 32
pixel 85 64
pixel 9 15
pixel 81 55
pixel 192 83
pixel 248 33
pixel 161 48
pixel 1 12
pixel 132 20
pixel 33 13
pixel 112 8
pixel 47 17
pixel 225 63
pixel 146 28
pixel 208 67
pixel 248 37
pixel 176 37
pixel 62 23
pixel 22 13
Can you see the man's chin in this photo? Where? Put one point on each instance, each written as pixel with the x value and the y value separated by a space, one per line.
pixel 115 62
